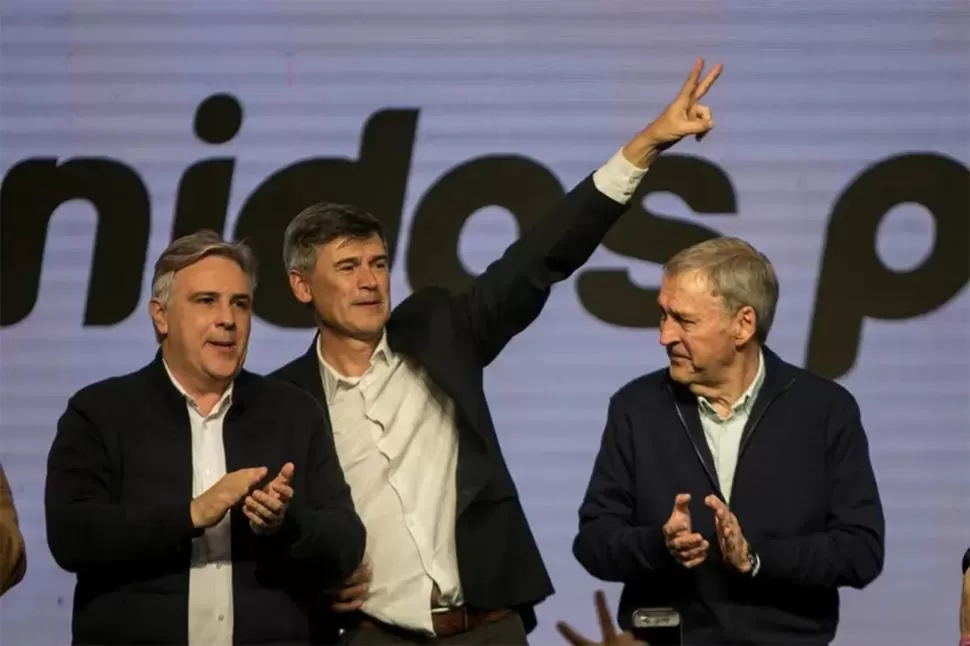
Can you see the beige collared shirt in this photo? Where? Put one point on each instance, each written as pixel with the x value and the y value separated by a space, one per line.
pixel 724 435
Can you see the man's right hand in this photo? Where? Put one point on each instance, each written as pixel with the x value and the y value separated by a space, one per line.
pixel 351 596
pixel 688 548
pixel 209 508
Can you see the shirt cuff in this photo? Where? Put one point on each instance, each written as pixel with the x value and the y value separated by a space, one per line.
pixel 618 178
pixel 757 566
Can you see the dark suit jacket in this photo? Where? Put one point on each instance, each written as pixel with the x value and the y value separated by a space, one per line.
pixel 804 493
pixel 119 485
pixel 455 337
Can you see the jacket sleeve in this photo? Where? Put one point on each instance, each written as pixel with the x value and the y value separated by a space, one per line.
pixel 13 554
pixel 86 529
pixel 851 550
pixel 512 291
pixel 609 545
pixel 323 531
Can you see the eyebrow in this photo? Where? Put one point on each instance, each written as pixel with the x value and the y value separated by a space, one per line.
pixel 235 297
pixel 356 260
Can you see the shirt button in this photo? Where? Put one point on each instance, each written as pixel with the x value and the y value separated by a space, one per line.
pixel 222 617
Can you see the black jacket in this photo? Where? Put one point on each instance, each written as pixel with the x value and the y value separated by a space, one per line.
pixel 119 485
pixel 804 494
pixel 454 337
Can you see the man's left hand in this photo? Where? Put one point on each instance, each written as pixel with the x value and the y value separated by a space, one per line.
pixel 730 538
pixel 266 508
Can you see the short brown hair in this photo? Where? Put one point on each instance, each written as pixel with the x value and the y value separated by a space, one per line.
pixel 192 248
pixel 321 223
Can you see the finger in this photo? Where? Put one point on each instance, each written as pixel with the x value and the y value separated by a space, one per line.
pixel 603 614
pixel 713 502
pixel 672 530
pixel 681 502
pixel 702 114
pixel 273 504
pixel 690 85
pixel 697 552
pixel 257 508
pixel 286 473
pixel 254 518
pixel 708 81
pixel 253 475
pixel 695 561
pixel 347 606
pixel 688 542
pixel 571 635
pixel 361 574
pixel 282 491
pixel 351 593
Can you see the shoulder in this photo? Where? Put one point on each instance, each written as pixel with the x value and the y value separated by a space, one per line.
pixel 645 390
pixel 422 303
pixel 278 397
pixel 111 389
pixel 820 391
pixel 289 371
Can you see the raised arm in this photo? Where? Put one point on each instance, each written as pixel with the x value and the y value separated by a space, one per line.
pixel 512 291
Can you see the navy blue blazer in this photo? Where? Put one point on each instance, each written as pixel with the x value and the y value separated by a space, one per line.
pixel 804 493
pixel 117 498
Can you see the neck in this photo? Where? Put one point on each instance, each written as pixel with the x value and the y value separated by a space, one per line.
pixel 349 356
pixel 737 378
pixel 204 391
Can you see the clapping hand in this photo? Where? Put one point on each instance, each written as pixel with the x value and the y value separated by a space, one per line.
pixel 610 636
pixel 730 538
pixel 687 547
pixel 266 508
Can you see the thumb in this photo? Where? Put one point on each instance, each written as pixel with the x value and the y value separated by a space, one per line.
pixel 286 473
pixel 255 474
pixel 681 503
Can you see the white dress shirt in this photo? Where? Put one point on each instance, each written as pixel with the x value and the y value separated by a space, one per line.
pixel 210 576
pixel 397 443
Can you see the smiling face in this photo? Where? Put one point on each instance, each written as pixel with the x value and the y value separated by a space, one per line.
pixel 701 337
pixel 205 323
pixel 349 287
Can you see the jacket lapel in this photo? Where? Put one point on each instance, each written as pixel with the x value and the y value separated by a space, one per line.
pixel 685 403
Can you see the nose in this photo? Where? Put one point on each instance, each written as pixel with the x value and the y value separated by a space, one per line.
pixel 227 317
pixel 668 333
pixel 367 278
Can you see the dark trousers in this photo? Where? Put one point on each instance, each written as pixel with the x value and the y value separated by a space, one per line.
pixel 507 631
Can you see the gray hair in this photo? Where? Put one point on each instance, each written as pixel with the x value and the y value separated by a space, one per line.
pixel 738 273
pixel 192 248
pixel 321 223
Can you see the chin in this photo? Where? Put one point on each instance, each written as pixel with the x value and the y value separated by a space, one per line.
pixel 680 374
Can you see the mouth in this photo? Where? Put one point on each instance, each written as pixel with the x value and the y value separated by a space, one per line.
pixel 223 346
pixel 376 303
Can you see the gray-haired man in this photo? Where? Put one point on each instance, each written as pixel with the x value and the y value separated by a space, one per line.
pixel 159 494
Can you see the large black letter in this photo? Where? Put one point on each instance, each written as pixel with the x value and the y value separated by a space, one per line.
pixel 854 284
pixel 203 194
pixel 608 294
pixel 31 192
pixel 375 182
pixel 523 187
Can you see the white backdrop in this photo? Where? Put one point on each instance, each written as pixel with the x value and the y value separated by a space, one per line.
pixel 812 94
